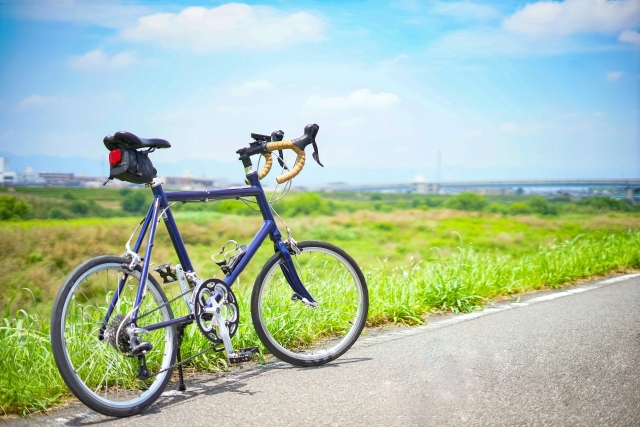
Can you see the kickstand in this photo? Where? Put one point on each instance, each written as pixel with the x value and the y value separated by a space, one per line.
pixel 181 386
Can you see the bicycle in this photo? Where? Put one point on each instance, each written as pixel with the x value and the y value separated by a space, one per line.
pixel 114 335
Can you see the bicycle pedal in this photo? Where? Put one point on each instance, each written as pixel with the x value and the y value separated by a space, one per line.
pixel 243 355
pixel 167 273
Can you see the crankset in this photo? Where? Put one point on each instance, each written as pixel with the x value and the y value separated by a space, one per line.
pixel 211 299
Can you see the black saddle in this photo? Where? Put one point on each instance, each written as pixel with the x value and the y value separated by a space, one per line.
pixel 129 140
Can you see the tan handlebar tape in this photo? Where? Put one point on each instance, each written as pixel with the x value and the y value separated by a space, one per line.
pixel 266 168
pixel 282 145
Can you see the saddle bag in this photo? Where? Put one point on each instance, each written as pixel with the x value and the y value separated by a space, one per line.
pixel 131 166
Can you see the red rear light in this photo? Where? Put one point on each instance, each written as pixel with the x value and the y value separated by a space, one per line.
pixel 114 157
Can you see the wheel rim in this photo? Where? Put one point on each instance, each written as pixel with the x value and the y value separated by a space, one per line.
pixel 99 369
pixel 310 334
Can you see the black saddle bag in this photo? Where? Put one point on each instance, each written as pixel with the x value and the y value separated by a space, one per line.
pixel 131 166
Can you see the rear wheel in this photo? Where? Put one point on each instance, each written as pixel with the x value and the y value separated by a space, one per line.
pixel 103 374
pixel 303 335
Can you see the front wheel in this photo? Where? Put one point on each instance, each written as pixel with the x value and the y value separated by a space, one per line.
pixel 304 335
pixel 101 369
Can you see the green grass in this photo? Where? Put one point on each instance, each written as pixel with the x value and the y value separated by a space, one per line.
pixel 463 281
pixel 39 254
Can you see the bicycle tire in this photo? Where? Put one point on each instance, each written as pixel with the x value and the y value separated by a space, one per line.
pixel 305 336
pixel 96 371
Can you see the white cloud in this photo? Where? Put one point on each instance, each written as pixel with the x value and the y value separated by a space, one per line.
pixel 359 99
pixel 614 75
pixel 36 101
pixel 574 16
pixel 224 27
pixel 249 88
pixel 499 42
pixel 477 43
pixel 466 10
pixel 98 60
pixel 630 36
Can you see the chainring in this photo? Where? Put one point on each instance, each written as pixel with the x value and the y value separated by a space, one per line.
pixel 228 304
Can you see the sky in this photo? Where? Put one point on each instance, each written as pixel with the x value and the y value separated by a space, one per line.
pixel 501 89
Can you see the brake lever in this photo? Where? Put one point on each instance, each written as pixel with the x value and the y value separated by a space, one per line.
pixel 278 135
pixel 315 154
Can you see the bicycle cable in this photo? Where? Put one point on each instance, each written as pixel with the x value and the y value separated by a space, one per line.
pixel 283 193
pixel 287 185
pixel 164 304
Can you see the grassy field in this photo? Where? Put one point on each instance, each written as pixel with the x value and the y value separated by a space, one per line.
pixel 417 260
pixel 38 254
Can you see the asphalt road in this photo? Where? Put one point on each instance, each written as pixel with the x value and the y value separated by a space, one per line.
pixel 554 359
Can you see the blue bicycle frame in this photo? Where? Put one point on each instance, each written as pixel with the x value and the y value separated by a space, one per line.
pixel 161 205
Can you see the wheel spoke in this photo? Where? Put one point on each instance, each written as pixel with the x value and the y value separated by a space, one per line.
pixel 97 371
pixel 303 335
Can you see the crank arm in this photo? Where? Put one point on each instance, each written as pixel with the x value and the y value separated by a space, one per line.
pixel 216 311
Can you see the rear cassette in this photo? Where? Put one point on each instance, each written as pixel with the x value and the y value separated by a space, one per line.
pixel 227 301
pixel 116 335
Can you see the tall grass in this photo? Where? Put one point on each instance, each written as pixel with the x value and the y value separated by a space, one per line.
pixel 29 379
pixel 464 281
pixel 39 254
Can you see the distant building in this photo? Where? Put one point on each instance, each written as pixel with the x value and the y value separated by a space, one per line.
pixel 29 177
pixel 68 179
pixel 59 179
pixel 6 176
pixel 190 183
pixel 420 185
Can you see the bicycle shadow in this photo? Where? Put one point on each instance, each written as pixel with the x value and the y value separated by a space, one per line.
pixel 209 385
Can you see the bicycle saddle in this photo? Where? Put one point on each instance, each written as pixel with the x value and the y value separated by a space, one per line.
pixel 128 140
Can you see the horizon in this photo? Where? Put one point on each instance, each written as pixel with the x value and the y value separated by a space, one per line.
pixel 503 89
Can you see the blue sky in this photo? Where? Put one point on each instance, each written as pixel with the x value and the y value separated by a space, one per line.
pixel 503 89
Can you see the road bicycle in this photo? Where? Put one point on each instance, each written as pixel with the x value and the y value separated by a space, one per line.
pixel 114 335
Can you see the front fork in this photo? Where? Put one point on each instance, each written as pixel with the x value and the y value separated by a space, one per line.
pixel 291 274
